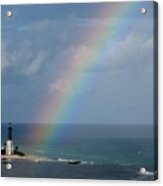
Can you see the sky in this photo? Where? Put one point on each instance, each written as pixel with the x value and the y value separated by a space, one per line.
pixel 43 44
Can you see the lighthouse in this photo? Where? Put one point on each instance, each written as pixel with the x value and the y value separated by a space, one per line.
pixel 9 142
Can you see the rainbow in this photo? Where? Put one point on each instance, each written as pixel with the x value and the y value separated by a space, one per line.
pixel 58 107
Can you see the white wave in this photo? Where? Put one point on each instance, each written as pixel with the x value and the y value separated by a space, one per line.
pixel 62 160
pixel 92 163
pixel 84 162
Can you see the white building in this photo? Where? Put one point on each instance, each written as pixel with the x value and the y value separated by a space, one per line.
pixel 9 142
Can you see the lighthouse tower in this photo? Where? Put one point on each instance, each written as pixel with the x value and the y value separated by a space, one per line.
pixel 9 142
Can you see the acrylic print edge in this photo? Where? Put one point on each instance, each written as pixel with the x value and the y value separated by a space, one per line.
pixel 155 81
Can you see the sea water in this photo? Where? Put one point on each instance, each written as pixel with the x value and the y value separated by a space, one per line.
pixel 124 151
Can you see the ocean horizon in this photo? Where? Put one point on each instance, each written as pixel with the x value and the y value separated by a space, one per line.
pixel 87 144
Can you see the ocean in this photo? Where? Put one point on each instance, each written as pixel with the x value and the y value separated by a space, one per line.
pixel 106 155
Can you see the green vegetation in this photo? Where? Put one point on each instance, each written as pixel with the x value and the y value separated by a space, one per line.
pixel 16 151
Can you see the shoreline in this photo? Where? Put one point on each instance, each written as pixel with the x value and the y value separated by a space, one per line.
pixel 39 159
pixel 28 158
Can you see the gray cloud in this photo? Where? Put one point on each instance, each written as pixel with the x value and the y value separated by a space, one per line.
pixel 60 85
pixel 119 79
pixel 22 60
